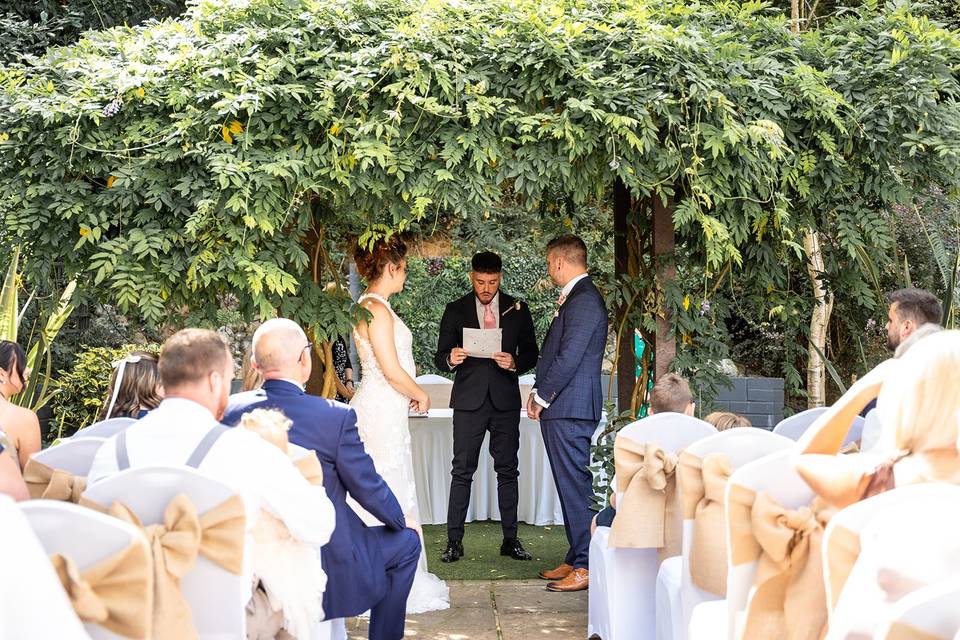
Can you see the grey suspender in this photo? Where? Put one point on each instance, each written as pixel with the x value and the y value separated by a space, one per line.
pixel 123 459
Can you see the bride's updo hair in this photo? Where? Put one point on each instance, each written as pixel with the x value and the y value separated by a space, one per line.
pixel 372 263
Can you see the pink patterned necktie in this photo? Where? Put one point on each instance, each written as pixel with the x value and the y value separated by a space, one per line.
pixel 489 320
pixel 561 299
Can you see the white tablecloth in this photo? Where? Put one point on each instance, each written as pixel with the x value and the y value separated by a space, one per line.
pixel 432 445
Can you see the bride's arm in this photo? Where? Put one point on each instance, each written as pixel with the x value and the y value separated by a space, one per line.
pixel 380 332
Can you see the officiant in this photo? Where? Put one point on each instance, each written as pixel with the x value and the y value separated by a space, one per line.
pixel 486 397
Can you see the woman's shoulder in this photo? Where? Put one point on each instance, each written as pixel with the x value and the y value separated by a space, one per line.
pixel 13 417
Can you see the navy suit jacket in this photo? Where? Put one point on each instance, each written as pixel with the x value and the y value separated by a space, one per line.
pixel 568 373
pixel 356 578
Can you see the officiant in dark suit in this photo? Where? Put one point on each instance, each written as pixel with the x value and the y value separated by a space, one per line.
pixel 486 397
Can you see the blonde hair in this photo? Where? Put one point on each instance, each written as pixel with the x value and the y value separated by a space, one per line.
pixel 920 403
pixel 248 373
pixel 724 420
pixel 269 424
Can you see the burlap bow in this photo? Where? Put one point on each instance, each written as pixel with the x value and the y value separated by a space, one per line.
pixel 702 484
pixel 843 549
pixel 787 600
pixel 218 535
pixel 52 484
pixel 309 467
pixel 648 515
pixel 116 593
pixel 900 630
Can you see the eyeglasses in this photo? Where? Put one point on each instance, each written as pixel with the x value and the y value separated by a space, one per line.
pixel 307 346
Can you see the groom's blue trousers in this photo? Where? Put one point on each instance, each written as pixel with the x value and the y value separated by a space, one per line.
pixel 401 553
pixel 568 448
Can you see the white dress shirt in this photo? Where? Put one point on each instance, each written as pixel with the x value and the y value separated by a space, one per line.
pixel 564 293
pixel 258 471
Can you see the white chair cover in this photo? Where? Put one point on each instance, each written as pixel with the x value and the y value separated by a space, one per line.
pixel 795 426
pixel 74 456
pixel 910 543
pixel 740 446
pixel 32 601
pixel 622 596
pixel 858 515
pixel 104 428
pixel 217 598
pixel 83 535
pixel 931 610
pixel 775 475
pixel 870 437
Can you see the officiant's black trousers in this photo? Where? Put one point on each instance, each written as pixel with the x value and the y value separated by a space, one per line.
pixel 469 427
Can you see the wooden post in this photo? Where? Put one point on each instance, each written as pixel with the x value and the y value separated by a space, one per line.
pixel 663 247
pixel 626 361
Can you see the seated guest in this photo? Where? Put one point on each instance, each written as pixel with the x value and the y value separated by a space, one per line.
pixel 20 424
pixel 135 387
pixel 911 315
pixel 196 369
pixel 670 394
pixel 723 420
pixel 919 400
pixel 11 480
pixel 368 568
pixel 289 571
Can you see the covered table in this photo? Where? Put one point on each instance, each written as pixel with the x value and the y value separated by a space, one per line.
pixel 432 445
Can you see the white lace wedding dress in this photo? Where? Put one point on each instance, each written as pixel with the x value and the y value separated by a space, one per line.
pixel 383 425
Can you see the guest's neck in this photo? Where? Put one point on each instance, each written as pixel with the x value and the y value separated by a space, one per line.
pixel 277 374
pixel 573 276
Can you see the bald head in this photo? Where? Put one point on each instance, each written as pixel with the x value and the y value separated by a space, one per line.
pixel 280 350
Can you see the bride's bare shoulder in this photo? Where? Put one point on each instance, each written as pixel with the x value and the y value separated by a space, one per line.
pixel 379 311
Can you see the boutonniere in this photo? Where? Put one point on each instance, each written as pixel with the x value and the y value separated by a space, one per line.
pixel 514 307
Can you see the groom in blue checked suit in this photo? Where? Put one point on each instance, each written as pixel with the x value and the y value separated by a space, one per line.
pixel 368 568
pixel 567 400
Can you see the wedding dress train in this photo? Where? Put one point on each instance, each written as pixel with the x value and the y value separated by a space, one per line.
pixel 383 425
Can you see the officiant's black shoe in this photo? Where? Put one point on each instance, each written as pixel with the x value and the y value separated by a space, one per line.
pixel 453 552
pixel 512 547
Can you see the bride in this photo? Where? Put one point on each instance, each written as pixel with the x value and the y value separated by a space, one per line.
pixel 385 395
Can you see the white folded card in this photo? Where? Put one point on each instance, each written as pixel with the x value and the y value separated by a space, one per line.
pixel 482 343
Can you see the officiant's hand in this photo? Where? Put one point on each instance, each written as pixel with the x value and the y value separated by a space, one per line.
pixel 505 360
pixel 457 356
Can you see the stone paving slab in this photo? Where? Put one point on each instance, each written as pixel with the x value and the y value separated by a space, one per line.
pixel 507 610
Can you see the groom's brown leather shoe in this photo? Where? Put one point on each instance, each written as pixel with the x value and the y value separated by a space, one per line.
pixel 559 573
pixel 578 580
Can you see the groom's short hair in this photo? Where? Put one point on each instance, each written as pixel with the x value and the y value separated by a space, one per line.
pixel 571 247
pixel 486 262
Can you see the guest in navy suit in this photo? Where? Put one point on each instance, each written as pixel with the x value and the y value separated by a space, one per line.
pixel 368 568
pixel 568 400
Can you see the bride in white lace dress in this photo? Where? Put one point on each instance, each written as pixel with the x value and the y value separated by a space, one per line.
pixel 386 393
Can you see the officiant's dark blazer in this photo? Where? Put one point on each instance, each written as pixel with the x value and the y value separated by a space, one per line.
pixel 476 377
pixel 351 559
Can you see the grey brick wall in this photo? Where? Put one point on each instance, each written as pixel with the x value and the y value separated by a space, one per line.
pixel 759 399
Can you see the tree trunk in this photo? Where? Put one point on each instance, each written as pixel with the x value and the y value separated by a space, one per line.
pixel 819 322
pixel 626 365
pixel 663 245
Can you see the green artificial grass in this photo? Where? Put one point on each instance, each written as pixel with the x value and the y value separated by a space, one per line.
pixel 482 559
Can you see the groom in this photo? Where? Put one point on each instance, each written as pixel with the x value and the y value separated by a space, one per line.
pixel 567 400
pixel 486 397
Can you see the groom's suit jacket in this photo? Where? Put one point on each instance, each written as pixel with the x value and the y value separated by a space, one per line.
pixel 568 373
pixel 356 578
pixel 476 377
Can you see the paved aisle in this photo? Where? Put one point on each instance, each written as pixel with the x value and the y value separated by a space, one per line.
pixel 505 610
